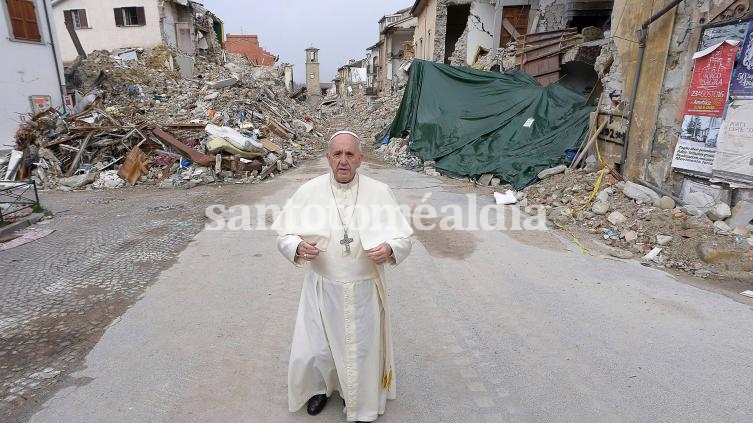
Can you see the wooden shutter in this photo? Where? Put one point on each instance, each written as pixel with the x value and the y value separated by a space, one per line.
pixel 68 16
pixel 82 18
pixel 118 16
pixel 23 20
pixel 140 16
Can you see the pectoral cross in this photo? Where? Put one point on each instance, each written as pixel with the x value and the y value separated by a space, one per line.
pixel 346 242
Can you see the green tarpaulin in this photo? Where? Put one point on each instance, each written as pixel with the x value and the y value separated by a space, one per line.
pixel 473 122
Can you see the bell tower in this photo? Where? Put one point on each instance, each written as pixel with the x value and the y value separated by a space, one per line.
pixel 313 89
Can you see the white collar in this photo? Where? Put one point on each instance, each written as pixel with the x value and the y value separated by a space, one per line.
pixel 346 186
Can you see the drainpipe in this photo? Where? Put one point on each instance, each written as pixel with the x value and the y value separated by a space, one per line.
pixel 642 38
pixel 61 84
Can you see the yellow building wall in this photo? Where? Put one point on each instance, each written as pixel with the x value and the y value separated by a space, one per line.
pixel 633 13
pixel 423 37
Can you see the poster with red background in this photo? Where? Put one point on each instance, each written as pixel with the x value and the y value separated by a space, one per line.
pixel 711 75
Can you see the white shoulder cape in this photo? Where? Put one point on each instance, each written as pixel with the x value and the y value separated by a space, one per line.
pixel 311 213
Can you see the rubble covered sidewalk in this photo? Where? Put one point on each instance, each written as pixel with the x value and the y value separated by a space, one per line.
pixel 477 122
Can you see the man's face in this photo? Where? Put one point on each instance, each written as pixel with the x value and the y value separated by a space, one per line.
pixel 344 157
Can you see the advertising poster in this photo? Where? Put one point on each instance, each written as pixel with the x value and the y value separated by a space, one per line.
pixel 696 148
pixel 742 81
pixel 734 156
pixel 711 73
pixel 40 103
pixel 704 109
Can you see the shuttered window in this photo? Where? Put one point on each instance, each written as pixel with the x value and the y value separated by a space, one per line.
pixel 23 20
pixel 129 16
pixel 77 17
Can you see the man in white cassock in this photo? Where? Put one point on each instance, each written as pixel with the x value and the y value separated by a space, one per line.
pixel 342 227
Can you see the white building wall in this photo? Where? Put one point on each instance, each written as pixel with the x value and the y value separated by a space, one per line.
pixel 170 16
pixel 29 69
pixel 103 34
pixel 398 43
pixel 480 28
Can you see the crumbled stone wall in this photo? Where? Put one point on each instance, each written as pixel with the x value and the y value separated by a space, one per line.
pixel 461 47
pixel 552 15
pixel 613 79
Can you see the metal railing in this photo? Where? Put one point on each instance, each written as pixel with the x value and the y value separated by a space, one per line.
pixel 16 196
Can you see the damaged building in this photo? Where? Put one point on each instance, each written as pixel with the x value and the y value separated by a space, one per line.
pixel 248 45
pixel 351 78
pixel 387 59
pixel 463 33
pixel 33 80
pixel 112 24
pixel 674 101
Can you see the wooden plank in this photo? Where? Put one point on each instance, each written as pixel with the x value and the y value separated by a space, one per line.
pixel 74 163
pixel 74 37
pixel 591 141
pixel 269 145
pixel 195 156
pixel 134 166
pixel 277 128
pixel 510 28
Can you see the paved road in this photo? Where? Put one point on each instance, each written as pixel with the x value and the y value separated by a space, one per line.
pixel 490 326
pixel 60 293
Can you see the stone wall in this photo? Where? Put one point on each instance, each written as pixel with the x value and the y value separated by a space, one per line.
pixel 552 15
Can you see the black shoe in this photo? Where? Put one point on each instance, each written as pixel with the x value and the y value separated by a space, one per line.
pixel 316 404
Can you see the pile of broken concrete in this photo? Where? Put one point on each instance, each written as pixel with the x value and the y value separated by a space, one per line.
pixel 702 236
pixel 146 118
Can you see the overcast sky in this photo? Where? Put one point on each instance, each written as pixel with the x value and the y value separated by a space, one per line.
pixel 340 29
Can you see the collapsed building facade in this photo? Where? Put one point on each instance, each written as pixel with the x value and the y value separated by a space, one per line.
pixel 110 24
pixel 634 60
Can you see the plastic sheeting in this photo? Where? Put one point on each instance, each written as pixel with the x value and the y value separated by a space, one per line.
pixel 473 122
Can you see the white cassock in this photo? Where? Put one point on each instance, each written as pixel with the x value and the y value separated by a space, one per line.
pixel 342 336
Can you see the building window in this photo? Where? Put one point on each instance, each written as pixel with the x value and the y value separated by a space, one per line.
pixel 23 20
pixel 130 16
pixel 77 17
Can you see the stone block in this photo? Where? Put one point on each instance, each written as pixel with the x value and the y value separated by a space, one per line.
pixel 663 239
pixel 721 228
pixel 551 171
pixel 485 179
pixel 600 207
pixel 616 218
pixel 720 211
pixel 666 203
pixel 640 193
pixel 700 200
pixel 222 83
pixel 711 253
pixel 79 180
pixel 186 65
pixel 741 214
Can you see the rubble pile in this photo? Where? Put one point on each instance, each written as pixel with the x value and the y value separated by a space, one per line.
pixel 365 115
pixel 396 152
pixel 146 120
pixel 702 237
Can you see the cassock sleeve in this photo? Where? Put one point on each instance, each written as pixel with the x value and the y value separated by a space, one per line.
pixel 287 245
pixel 400 250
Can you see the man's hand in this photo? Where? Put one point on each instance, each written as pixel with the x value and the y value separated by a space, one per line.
pixel 381 253
pixel 307 250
